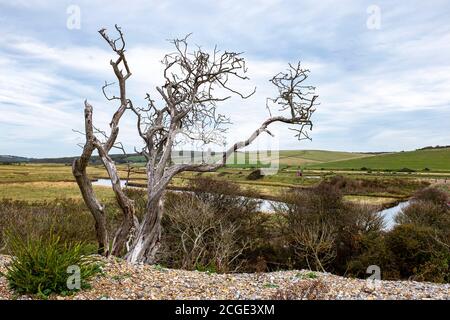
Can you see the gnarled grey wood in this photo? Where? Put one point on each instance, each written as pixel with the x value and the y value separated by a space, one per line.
pixel 188 110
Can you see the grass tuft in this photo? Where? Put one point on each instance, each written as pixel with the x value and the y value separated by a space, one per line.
pixel 45 265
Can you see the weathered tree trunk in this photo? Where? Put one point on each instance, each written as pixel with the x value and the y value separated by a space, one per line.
pixel 125 229
pixel 148 238
pixel 97 210
pixel 84 183
pixel 126 205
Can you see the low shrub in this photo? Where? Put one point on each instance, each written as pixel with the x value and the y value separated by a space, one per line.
pixel 69 218
pixel 416 254
pixel 44 265
pixel 371 250
pixel 214 228
pixel 349 185
pixel 426 213
pixel 222 195
pixel 433 195
pixel 322 230
pixel 196 238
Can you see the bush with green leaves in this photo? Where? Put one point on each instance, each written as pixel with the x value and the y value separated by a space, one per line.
pixel 416 253
pixel 46 265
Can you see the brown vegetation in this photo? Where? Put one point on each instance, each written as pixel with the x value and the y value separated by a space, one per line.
pixel 226 232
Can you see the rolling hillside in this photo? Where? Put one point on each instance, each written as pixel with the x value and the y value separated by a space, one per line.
pixel 289 157
pixel 433 159
pixel 302 157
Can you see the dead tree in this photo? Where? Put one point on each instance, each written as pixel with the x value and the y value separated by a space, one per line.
pixel 187 108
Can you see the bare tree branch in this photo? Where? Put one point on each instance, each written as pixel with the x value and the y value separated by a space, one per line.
pixel 195 82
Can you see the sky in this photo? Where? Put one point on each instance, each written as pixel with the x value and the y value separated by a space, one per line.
pixel 381 68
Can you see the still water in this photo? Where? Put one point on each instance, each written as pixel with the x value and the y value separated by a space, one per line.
pixel 268 205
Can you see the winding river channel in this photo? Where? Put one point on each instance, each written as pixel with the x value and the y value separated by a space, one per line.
pixel 268 205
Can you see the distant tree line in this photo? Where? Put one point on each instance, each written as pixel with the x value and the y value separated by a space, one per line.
pixel 118 158
pixel 435 147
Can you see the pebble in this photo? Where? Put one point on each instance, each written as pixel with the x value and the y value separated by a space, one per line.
pixel 149 283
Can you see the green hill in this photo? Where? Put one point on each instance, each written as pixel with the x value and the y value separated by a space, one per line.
pixel 286 157
pixel 301 157
pixel 434 159
pixel 291 157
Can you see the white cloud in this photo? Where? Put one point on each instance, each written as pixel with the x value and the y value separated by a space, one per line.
pixel 362 76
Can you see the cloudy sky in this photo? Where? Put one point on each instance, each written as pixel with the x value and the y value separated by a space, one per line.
pixel 381 68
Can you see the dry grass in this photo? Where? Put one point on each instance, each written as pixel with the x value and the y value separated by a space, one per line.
pixel 41 191
pixel 370 200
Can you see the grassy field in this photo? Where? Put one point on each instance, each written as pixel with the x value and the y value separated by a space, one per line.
pixel 302 157
pixel 285 158
pixel 40 172
pixel 36 182
pixel 432 159
pixel 41 182
pixel 47 191
pixel 290 157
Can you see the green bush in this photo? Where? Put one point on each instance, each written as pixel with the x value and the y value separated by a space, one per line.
pixel 420 243
pixel 323 230
pixel 40 265
pixel 417 255
pixel 372 250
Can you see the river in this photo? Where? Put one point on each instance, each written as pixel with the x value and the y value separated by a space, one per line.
pixel 268 205
pixel 389 214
